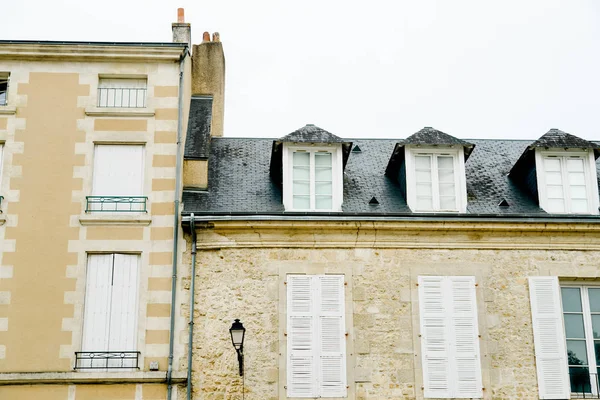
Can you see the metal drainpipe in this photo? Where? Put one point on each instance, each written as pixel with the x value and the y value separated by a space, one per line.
pixel 192 296
pixel 176 223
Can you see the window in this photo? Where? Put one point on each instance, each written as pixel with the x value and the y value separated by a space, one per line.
pixel 110 312
pixel 435 180
pixel 566 183
pixel 312 179
pixel 122 92
pixel 1 153
pixel 118 179
pixel 3 88
pixel 449 337
pixel 316 341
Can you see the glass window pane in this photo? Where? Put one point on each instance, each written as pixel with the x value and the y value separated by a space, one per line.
pixel 552 164
pixel 301 173
pixel 423 176
pixel 424 203
pixel 597 350
pixel 447 189
pixel 574 164
pixel 446 176
pixel 301 188
pixel 323 203
pixel 447 203
pixel 594 298
pixel 574 326
pixel 423 162
pixel 301 202
pixel 580 380
pixel 579 206
pixel 577 178
pixel 556 205
pixel 424 189
pixel 555 192
pixel 596 325
pixel 445 162
pixel 576 352
pixel 323 174
pixel 323 159
pixel 571 299
pixel 578 192
pixel 553 178
pixel 301 158
pixel 323 188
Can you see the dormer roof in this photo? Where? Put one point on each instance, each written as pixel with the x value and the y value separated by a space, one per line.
pixel 308 134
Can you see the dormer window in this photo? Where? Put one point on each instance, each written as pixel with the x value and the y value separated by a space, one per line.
pixel 435 179
pixel 312 178
pixel 567 182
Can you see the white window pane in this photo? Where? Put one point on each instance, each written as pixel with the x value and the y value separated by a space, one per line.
pixel 301 173
pixel 301 187
pixel 552 164
pixel 555 192
pixel 323 174
pixel 423 162
pixel 575 165
pixel 447 203
pixel 556 205
pixel 424 189
pixel 447 189
pixel 323 159
pixel 423 176
pixel 445 162
pixel 554 178
pixel 301 159
pixel 323 188
pixel 301 202
pixel 424 203
pixel 577 178
pixel 579 206
pixel 323 203
pixel 445 175
pixel 578 192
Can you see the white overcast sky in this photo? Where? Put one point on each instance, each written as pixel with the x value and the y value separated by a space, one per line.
pixel 357 68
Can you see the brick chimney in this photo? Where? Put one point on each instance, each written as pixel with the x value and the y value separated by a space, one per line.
pixel 208 77
pixel 182 32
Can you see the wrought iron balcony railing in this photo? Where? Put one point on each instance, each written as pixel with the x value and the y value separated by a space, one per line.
pixel 1 198
pixel 107 360
pixel 584 384
pixel 122 97
pixel 116 204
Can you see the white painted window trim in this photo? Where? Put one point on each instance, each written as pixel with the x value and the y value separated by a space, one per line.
pixel 587 327
pixel 1 164
pixel 460 184
pixel 589 167
pixel 336 170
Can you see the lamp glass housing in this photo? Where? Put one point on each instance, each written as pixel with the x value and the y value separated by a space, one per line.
pixel 237 332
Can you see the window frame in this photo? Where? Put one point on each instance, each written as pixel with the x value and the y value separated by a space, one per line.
pixel 589 168
pixel 460 186
pixel 587 328
pixel 5 76
pixel 336 178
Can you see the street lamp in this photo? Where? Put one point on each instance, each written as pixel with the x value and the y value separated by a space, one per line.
pixel 237 332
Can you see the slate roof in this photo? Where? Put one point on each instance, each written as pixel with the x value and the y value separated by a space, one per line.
pixel 555 138
pixel 311 134
pixel 197 143
pixel 240 181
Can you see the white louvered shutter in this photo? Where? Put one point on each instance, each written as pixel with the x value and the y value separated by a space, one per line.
pixel 433 303
pixel 465 358
pixel 301 346
pixel 332 362
pixel 549 338
pixel 96 319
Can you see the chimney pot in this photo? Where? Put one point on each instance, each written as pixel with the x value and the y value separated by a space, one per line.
pixel 180 15
pixel 206 37
pixel 216 37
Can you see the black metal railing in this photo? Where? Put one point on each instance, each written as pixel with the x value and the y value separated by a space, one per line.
pixel 107 359
pixel 122 97
pixel 116 204
pixel 1 198
pixel 582 383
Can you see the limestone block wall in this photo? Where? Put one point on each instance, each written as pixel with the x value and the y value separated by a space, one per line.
pixel 240 277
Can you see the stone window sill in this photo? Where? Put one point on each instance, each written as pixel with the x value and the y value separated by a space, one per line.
pixel 91 377
pixel 118 112
pixel 115 219
pixel 8 110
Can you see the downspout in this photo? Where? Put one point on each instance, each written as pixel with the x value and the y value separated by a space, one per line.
pixel 192 296
pixel 176 222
